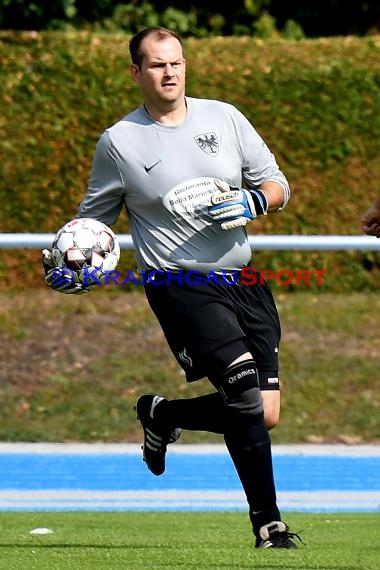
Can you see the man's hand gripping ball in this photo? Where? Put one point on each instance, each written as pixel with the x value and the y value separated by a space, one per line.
pixel 61 279
pixel 233 207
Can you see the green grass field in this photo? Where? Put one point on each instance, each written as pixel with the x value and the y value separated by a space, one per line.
pixel 72 368
pixel 211 541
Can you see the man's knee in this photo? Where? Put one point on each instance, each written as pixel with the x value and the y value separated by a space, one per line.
pixel 271 417
pixel 271 398
pixel 239 388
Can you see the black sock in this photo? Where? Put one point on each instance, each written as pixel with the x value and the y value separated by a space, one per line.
pixel 204 413
pixel 249 445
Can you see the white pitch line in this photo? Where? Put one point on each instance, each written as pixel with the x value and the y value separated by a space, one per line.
pixel 178 448
pixel 78 500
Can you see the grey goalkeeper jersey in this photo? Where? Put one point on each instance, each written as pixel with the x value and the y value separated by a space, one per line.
pixel 164 176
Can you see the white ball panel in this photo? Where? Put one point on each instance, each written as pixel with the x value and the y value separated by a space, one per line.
pixel 96 259
pixel 84 238
pixel 75 254
pixel 65 241
pixel 105 241
pixel 110 262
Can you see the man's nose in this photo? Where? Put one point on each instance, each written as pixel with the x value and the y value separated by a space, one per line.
pixel 169 70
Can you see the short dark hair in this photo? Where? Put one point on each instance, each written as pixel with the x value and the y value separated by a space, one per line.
pixel 159 32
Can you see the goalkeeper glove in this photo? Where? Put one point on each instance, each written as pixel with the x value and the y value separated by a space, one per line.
pixel 61 279
pixel 233 207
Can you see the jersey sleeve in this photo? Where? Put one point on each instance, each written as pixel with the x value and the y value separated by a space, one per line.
pixel 105 193
pixel 259 163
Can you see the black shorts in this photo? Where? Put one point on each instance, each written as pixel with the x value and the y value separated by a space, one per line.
pixel 199 319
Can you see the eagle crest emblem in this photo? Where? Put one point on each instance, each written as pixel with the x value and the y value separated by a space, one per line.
pixel 208 142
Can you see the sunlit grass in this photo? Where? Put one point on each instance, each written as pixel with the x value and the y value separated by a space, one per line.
pixel 183 540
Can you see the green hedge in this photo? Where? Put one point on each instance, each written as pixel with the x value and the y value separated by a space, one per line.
pixel 316 102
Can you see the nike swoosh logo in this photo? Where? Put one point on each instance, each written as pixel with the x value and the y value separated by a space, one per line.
pixel 149 167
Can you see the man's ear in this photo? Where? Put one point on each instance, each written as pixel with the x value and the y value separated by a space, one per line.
pixel 135 71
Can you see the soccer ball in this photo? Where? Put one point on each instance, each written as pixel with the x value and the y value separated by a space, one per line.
pixel 86 247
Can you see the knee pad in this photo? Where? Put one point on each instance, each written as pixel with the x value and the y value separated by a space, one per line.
pixel 240 388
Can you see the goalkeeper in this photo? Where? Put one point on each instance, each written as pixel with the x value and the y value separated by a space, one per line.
pixel 178 165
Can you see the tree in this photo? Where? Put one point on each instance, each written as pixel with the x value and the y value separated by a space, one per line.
pixel 315 17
